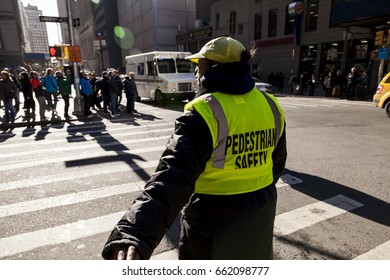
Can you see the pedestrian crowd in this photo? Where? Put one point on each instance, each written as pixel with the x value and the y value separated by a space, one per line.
pixel 350 85
pixel 41 93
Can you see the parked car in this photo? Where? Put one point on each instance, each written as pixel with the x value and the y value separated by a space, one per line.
pixel 382 95
pixel 263 86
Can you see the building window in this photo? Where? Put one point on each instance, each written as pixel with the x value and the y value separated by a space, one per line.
pixel 289 23
pixel 258 26
pixel 311 15
pixel 272 22
pixel 216 21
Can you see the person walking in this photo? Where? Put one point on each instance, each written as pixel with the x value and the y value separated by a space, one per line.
pixel 119 79
pixel 39 94
pixel 280 81
pixel 312 85
pixel 27 90
pixel 221 164
pixel 96 99
pixel 129 94
pixel 50 84
pixel 328 84
pixel 65 89
pixel 104 90
pixel 9 90
pixel 113 90
pixel 86 93
pixel 134 89
pixel 338 82
pixel 352 79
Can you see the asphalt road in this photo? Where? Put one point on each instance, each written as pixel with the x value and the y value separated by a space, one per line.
pixel 65 185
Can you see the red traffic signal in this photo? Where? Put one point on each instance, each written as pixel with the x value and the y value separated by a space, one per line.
pixel 55 51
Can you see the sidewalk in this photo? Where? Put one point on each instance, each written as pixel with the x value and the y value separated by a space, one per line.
pixel 318 92
pixel 21 121
pixel 58 118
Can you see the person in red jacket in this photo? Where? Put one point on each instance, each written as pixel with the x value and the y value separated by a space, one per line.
pixel 39 94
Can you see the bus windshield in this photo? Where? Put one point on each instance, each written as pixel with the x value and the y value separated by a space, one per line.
pixel 184 65
pixel 166 65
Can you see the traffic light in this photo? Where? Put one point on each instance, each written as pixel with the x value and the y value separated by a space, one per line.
pixel 55 51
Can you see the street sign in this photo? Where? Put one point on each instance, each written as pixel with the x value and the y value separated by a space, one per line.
pixel 99 35
pixel 74 53
pixel 379 38
pixel 76 22
pixel 383 53
pixel 53 19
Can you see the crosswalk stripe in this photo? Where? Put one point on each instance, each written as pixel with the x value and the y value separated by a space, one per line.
pixel 61 234
pixel 309 215
pixel 297 219
pixel 60 159
pixel 86 141
pixel 68 199
pixel 73 175
pixel 382 252
pixel 68 149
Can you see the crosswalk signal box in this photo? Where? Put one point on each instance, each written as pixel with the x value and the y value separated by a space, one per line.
pixel 55 51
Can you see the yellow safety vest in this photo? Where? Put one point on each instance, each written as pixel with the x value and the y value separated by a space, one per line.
pixel 245 130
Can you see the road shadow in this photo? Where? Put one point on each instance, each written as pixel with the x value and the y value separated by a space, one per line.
pixel 374 209
pixel 78 132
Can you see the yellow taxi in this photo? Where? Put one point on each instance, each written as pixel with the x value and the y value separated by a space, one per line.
pixel 382 95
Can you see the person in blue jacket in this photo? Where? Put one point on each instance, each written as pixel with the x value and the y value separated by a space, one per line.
pixel 51 86
pixel 86 93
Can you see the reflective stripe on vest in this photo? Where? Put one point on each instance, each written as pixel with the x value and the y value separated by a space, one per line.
pixel 223 128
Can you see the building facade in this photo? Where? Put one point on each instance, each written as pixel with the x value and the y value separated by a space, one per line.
pixel 35 30
pixel 310 41
pixel 111 30
pixel 152 25
pixel 11 38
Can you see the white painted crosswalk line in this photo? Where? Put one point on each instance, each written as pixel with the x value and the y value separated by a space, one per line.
pixel 382 252
pixel 285 224
pixel 72 157
pixel 309 215
pixel 62 234
pixel 287 180
pixel 89 142
pixel 68 199
pixel 73 175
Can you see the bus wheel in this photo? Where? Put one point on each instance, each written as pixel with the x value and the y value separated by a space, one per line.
pixel 159 98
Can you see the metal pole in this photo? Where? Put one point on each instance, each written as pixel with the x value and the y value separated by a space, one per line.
pixel 76 75
pixel 345 49
pixel 101 56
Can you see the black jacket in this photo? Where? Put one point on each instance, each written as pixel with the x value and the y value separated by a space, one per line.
pixel 184 159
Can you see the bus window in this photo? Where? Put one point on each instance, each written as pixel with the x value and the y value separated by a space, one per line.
pixel 151 69
pixel 141 69
pixel 166 65
pixel 184 65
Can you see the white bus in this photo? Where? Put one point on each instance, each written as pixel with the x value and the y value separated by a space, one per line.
pixel 163 75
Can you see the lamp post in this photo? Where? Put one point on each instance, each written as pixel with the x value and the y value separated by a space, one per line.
pixel 76 75
pixel 295 9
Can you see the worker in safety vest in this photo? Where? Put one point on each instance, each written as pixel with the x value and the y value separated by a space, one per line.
pixel 221 164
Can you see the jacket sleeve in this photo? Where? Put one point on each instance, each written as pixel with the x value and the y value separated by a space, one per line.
pixel 279 156
pixel 168 190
